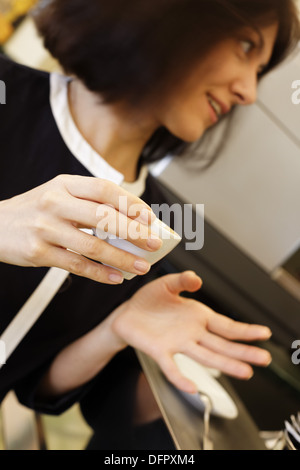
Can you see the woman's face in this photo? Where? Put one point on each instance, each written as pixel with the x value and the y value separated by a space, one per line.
pixel 226 77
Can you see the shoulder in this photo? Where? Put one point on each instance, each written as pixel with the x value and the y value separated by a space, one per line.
pixel 26 92
pixel 10 70
pixel 22 81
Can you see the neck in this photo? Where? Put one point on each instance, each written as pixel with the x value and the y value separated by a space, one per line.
pixel 118 135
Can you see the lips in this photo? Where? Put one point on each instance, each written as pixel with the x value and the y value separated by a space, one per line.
pixel 217 107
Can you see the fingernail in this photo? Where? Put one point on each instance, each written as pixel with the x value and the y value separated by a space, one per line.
pixel 192 389
pixel 154 242
pixel 268 359
pixel 142 266
pixel 116 278
pixel 267 333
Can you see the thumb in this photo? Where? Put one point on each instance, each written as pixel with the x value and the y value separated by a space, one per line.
pixel 186 281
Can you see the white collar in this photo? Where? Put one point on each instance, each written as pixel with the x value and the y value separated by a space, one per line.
pixel 78 146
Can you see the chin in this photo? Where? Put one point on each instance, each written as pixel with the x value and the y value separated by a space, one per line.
pixel 190 135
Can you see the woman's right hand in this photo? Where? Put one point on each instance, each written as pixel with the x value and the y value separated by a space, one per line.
pixel 42 228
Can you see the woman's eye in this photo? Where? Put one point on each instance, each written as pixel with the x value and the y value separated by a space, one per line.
pixel 247 46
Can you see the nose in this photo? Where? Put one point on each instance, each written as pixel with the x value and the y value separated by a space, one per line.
pixel 244 88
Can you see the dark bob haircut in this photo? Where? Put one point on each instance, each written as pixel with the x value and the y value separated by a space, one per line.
pixel 137 51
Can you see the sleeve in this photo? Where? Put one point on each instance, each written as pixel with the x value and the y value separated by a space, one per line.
pixel 26 392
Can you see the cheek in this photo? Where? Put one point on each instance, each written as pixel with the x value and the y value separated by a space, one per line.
pixel 189 121
pixel 187 114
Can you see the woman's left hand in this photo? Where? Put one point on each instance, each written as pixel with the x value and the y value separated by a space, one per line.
pixel 160 322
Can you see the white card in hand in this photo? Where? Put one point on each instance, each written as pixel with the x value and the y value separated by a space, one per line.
pixel 169 238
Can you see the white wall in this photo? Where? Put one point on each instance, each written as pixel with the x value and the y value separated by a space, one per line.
pixel 252 192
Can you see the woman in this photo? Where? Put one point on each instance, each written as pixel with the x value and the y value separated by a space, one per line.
pixel 146 77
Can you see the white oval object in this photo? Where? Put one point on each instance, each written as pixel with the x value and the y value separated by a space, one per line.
pixel 222 403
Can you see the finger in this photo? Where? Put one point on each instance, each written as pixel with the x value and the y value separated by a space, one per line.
pixel 186 281
pixel 173 374
pixel 95 249
pixel 234 330
pixel 108 220
pixel 116 223
pixel 105 192
pixel 81 266
pixel 242 352
pixel 225 364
